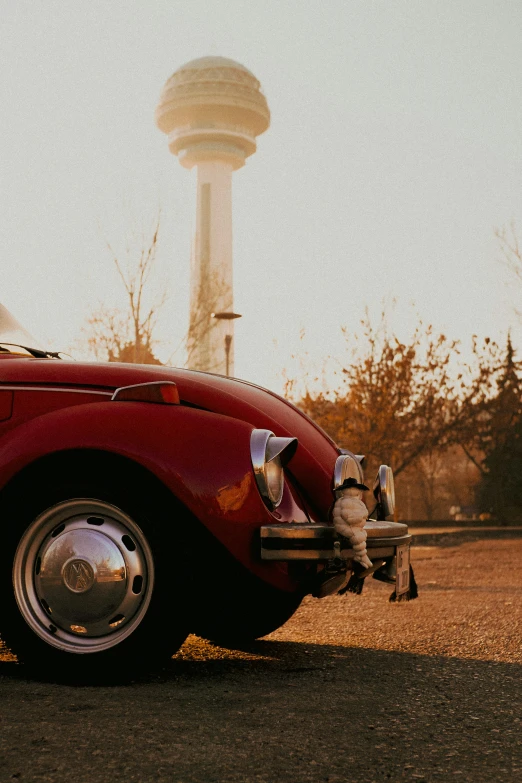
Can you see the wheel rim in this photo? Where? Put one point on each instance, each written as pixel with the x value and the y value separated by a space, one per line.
pixel 83 576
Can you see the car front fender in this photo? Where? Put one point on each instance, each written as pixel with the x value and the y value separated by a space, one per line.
pixel 203 458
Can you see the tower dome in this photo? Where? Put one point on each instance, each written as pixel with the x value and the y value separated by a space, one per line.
pixel 210 108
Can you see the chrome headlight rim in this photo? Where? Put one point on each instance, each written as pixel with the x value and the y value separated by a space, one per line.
pixel 347 466
pixel 384 490
pixel 268 452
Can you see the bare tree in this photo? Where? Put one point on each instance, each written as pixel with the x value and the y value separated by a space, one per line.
pixel 128 335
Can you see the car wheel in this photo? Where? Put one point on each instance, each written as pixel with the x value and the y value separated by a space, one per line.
pixel 92 591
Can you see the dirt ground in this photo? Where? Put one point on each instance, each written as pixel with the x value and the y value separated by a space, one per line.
pixel 352 688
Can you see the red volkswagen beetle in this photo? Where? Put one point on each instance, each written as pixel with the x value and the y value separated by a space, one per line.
pixel 141 503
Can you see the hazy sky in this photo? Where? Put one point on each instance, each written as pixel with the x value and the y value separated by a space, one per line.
pixel 395 150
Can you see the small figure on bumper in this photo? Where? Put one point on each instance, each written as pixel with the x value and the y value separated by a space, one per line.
pixel 349 518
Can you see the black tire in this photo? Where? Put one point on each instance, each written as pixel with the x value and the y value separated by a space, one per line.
pixel 238 620
pixel 232 607
pixel 157 621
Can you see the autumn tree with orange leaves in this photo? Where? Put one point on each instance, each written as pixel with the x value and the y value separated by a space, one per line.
pixel 399 402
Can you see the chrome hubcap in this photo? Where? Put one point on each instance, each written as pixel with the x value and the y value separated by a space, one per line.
pixel 83 575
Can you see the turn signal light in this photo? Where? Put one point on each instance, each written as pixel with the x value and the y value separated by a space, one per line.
pixel 163 392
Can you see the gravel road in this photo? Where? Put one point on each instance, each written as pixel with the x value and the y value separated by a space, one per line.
pixel 351 689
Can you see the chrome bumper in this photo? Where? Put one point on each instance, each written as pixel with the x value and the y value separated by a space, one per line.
pixel 309 541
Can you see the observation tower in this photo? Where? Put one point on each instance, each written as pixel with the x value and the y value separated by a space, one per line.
pixel 212 109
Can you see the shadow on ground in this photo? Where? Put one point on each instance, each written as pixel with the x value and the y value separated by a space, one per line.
pixel 274 711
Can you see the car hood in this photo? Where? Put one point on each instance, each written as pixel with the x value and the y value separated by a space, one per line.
pixel 313 464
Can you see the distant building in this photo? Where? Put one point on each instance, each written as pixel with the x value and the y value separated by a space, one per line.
pixel 212 110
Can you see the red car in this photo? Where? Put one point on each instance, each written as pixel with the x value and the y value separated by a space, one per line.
pixel 141 503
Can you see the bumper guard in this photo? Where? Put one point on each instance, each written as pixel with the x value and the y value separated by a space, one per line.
pixel 315 542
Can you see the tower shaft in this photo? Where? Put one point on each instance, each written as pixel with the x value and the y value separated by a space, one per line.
pixel 210 340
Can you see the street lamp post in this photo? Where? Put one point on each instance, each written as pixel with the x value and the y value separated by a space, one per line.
pixel 226 316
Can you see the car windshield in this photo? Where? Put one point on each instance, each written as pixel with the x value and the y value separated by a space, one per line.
pixel 13 334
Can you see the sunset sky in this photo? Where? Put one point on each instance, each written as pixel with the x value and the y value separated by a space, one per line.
pixel 395 150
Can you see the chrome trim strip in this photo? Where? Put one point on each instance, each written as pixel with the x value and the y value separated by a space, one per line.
pixel 151 386
pixel 5 387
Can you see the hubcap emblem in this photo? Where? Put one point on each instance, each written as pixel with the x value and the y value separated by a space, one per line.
pixel 78 576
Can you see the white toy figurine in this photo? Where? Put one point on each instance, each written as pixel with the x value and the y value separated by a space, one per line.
pixel 349 517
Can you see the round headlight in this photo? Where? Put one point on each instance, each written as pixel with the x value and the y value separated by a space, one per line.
pixel 269 454
pixel 274 480
pixel 347 466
